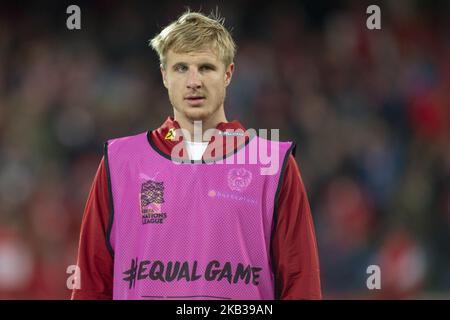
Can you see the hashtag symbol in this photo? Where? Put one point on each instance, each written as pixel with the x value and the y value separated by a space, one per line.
pixel 131 273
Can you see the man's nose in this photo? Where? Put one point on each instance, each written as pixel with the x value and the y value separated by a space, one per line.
pixel 194 79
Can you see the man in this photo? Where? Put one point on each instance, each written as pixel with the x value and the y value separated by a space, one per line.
pixel 166 218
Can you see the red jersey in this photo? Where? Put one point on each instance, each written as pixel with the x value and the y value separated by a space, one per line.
pixel 293 248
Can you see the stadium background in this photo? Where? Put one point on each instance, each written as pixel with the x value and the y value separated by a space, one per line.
pixel 370 111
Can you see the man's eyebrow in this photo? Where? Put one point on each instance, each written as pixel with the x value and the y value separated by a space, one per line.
pixel 208 64
pixel 178 64
pixel 201 64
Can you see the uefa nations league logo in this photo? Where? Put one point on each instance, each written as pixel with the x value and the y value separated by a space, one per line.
pixel 151 200
pixel 239 179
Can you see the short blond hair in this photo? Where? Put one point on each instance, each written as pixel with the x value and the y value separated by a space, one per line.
pixel 193 31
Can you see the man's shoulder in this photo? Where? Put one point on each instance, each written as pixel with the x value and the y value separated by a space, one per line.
pixel 274 141
pixel 126 143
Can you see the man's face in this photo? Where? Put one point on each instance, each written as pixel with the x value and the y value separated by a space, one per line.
pixel 196 83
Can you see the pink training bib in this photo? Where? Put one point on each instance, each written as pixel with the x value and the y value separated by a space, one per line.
pixel 191 230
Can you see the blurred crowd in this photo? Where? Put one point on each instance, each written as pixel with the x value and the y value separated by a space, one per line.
pixel 369 110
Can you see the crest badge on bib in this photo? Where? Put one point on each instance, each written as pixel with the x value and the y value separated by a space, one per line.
pixel 239 179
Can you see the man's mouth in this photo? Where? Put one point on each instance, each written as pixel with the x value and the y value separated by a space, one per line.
pixel 195 100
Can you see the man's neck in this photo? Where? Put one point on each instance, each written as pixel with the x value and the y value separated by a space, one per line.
pixel 200 126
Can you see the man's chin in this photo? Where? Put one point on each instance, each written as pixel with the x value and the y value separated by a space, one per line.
pixel 197 114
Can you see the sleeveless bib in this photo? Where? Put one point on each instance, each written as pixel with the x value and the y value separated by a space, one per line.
pixel 192 230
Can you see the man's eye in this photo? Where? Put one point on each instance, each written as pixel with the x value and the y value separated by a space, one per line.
pixel 181 68
pixel 205 68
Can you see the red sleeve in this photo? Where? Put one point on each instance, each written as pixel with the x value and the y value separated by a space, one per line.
pixel 294 247
pixel 94 259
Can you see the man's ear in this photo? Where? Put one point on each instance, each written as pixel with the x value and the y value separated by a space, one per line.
pixel 164 75
pixel 229 74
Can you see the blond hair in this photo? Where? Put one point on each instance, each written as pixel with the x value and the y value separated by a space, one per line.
pixel 193 31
